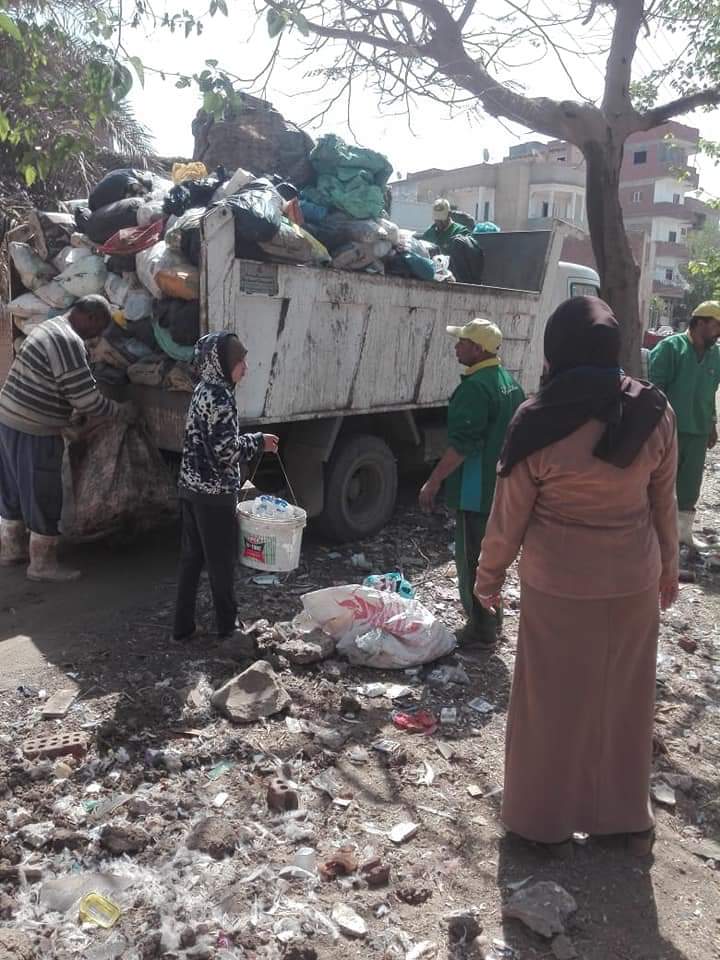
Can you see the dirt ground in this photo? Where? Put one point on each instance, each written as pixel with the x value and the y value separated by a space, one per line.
pixel 157 755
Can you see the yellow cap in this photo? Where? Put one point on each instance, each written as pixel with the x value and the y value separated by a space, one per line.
pixel 484 333
pixel 711 308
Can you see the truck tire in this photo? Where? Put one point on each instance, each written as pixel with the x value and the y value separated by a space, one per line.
pixel 360 489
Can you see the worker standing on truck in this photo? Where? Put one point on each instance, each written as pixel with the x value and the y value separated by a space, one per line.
pixel 686 367
pixel 214 458
pixel 444 228
pixel 479 412
pixel 50 382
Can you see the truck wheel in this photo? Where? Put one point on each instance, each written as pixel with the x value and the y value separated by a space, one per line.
pixel 360 489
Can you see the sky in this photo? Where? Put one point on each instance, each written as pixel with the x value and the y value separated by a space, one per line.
pixel 429 137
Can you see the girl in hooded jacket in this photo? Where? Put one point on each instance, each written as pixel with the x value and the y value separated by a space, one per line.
pixel 215 460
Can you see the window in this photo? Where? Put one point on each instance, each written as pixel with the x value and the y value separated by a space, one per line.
pixel 486 210
pixel 578 289
pixel 545 210
pixel 676 198
pixel 640 156
pixel 637 196
pixel 672 236
pixel 683 231
pixel 669 274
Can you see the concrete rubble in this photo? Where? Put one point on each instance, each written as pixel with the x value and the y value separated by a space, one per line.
pixel 543 907
pixel 251 695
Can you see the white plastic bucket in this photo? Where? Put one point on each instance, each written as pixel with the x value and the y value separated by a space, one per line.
pixel 267 544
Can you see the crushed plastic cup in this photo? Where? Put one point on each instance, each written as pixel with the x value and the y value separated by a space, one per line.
pixel 305 859
pixel 97 909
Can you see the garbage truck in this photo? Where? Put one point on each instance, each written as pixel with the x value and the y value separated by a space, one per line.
pixel 353 370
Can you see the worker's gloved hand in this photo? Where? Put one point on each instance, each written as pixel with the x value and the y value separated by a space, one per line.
pixel 128 412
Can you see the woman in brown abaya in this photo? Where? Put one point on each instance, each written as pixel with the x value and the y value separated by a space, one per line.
pixel 587 489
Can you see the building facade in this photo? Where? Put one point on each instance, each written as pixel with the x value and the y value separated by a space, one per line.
pixel 539 182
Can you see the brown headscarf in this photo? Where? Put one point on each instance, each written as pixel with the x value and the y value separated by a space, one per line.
pixel 585 382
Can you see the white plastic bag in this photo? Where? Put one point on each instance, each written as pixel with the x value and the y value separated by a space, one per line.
pixel 33 270
pixel 138 305
pixel 186 221
pixel 241 178
pixel 55 295
pixel 84 277
pixel 29 305
pixel 378 629
pixel 157 257
pixel 69 255
pixel 149 212
pixel 117 289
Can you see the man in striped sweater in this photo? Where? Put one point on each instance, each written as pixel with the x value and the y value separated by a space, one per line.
pixel 49 383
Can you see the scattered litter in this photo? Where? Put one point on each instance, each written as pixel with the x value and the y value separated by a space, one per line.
pixel 445 675
pixel 448 716
pixel 426 775
pixel 58 745
pixel 305 859
pixel 445 750
pixel 516 885
pixel 544 908
pixel 445 814
pixel 328 782
pixel 219 800
pixel 266 580
pixel 481 705
pixel 393 691
pixel 59 704
pixel 421 722
pixel 463 925
pixel 105 808
pixel 390 583
pixel 422 951
pixel 403 832
pixel 663 794
pixel 341 864
pixel 360 561
pixel 220 769
pixel 97 909
pixel 474 790
pixel 386 746
pixel 349 922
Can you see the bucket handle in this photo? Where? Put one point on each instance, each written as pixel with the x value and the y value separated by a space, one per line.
pixel 284 472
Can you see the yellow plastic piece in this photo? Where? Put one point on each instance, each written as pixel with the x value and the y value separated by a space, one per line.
pixel 97 909
pixel 188 171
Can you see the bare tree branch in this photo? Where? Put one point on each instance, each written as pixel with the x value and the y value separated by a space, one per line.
pixel 616 103
pixel 466 14
pixel 675 108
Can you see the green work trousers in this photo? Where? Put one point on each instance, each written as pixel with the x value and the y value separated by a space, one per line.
pixel 482 625
pixel 692 450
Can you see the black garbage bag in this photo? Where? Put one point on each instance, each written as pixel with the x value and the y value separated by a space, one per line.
pixel 181 318
pixel 106 221
pixel 257 212
pixel 82 217
pixel 190 244
pixel 119 185
pixel 467 260
pixel 121 263
pixel 193 193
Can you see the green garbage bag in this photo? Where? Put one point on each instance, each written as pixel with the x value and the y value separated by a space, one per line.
pixel 350 178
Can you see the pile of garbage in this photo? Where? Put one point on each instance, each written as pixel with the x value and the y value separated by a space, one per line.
pixel 137 240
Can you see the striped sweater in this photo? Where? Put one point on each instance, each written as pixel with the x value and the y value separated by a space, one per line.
pixel 49 381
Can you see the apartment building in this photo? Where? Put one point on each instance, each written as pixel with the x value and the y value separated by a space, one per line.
pixel 538 182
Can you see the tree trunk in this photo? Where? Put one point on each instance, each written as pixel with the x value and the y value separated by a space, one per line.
pixel 619 274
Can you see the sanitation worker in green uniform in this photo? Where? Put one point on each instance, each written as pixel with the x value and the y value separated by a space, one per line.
pixel 479 412
pixel 686 366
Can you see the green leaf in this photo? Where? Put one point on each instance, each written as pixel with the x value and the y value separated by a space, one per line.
pixel 30 174
pixel 211 63
pixel 4 126
pixel 301 23
pixel 222 7
pixel 276 22
pixel 8 25
pixel 139 69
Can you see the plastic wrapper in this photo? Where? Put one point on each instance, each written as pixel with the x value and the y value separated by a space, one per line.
pixel 33 270
pixel 186 221
pixel 257 212
pixel 157 257
pixel 68 255
pixel 138 304
pixel 117 289
pixel 181 283
pixel 194 170
pixel 241 178
pixel 52 232
pixel 378 629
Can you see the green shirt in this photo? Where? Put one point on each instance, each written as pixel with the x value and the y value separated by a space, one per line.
pixel 442 238
pixel 478 416
pixel 689 383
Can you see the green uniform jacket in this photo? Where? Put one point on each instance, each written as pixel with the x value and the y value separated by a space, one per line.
pixel 690 385
pixel 478 416
pixel 442 238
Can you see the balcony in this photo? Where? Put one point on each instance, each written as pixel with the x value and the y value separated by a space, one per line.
pixel 679 251
pixel 664 288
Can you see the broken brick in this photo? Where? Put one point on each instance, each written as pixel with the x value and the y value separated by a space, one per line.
pixel 342 863
pixel 56 745
pixel 281 797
